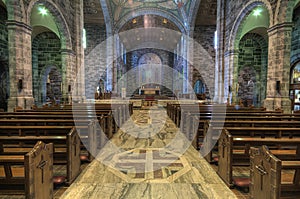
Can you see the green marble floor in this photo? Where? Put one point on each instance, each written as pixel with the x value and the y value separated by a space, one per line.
pixel 148 158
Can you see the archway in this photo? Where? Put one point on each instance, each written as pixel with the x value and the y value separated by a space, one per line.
pixel 250 27
pixel 149 69
pixel 295 62
pixel 50 85
pixel 252 70
pixel 45 53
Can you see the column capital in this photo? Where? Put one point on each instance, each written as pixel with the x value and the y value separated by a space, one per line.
pixel 12 24
pixel 67 51
pixel 286 26
pixel 231 52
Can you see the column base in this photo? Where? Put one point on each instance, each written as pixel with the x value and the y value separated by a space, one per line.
pixel 283 104
pixel 23 102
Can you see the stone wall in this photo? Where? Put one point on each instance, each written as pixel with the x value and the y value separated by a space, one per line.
pixel 167 59
pixel 295 47
pixel 4 89
pixel 204 35
pixel 252 69
pixel 95 35
pixel 45 56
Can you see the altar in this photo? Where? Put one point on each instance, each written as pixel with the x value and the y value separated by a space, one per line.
pixel 150 91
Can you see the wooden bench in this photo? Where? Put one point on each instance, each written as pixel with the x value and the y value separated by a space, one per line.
pixel 66 148
pixel 265 175
pixel 246 128
pixel 32 171
pixel 114 119
pixel 234 150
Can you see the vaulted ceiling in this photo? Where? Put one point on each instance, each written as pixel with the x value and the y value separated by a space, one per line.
pixel 116 10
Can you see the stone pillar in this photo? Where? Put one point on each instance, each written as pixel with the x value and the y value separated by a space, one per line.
pixel 20 65
pixel 279 68
pixel 79 86
pixel 231 60
pixel 220 52
pixel 68 73
pixel 185 54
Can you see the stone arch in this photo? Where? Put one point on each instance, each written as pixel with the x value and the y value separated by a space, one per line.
pixel 16 10
pixel 258 67
pixel 108 17
pixel 65 36
pixel 194 10
pixel 235 32
pixel 147 64
pixel 295 59
pixel 295 51
pixel 145 11
pixel 43 82
pixel 284 11
pixel 49 55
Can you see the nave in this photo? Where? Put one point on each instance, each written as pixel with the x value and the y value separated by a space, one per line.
pixel 184 176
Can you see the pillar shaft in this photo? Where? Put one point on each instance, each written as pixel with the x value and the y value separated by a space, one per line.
pixel 20 65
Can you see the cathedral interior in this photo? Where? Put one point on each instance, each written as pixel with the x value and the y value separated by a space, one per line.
pixel 224 51
pixel 243 54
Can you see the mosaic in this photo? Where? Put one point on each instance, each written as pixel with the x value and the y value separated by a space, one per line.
pixel 139 165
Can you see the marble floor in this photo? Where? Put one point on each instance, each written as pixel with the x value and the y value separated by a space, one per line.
pixel 148 158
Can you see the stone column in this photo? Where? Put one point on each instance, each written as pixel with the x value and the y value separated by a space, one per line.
pixel 20 65
pixel 68 73
pixel 79 84
pixel 279 68
pixel 220 62
pixel 231 76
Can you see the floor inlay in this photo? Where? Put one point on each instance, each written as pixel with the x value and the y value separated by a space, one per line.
pixel 149 165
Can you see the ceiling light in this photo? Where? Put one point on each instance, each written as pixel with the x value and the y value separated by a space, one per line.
pixel 43 11
pixel 257 12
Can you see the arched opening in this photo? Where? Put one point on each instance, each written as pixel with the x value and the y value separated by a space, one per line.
pixel 250 66
pixel 145 63
pixel 149 69
pixel 200 89
pixel 46 57
pixel 295 87
pixel 252 69
pixel 94 34
pixel 50 85
pixel 4 69
pixel 295 61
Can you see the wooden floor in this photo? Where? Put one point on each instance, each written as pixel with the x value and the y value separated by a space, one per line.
pixel 148 158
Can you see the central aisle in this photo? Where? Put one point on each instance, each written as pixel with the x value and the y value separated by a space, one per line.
pixel 145 160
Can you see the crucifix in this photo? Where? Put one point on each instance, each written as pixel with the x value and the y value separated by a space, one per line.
pixel 261 170
pixel 41 166
pixel 223 144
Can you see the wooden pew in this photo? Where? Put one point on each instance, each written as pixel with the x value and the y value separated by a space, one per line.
pixel 66 148
pixel 36 172
pixel 251 128
pixel 113 118
pixel 87 129
pixel 265 175
pixel 234 150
